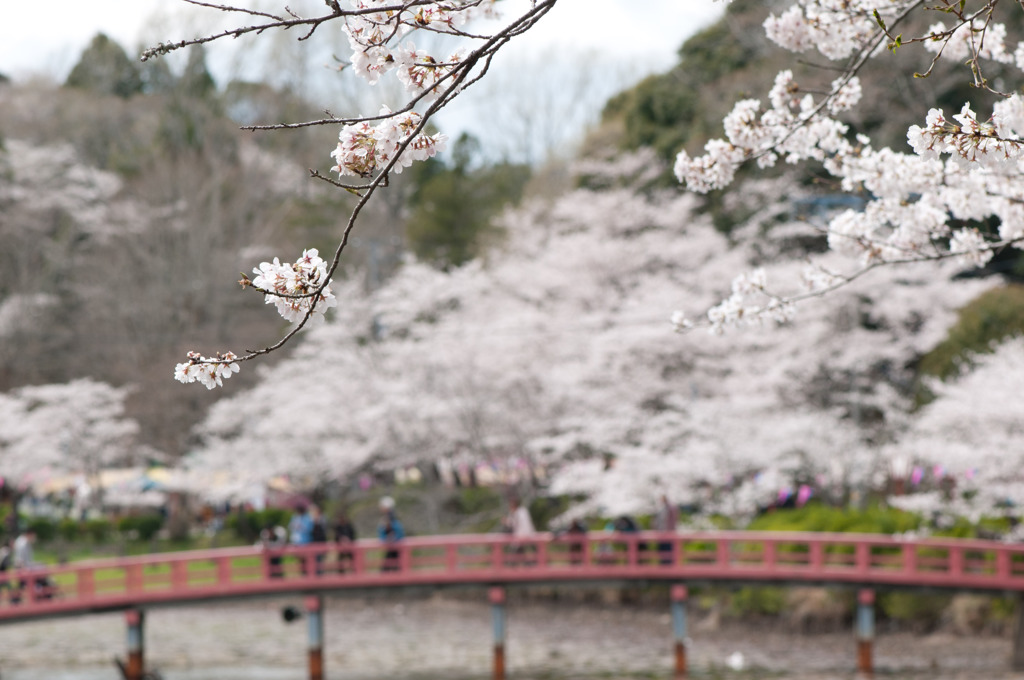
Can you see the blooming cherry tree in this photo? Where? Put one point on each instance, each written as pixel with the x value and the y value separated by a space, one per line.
pixel 554 351
pixel 76 427
pixel 966 444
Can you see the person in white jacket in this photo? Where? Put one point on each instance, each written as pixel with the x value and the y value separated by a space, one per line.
pixel 24 557
pixel 518 522
pixel 520 525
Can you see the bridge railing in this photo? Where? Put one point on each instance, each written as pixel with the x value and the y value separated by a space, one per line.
pixel 710 556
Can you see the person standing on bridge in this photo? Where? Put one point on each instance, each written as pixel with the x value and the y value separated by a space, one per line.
pixel 390 532
pixel 577 533
pixel 665 521
pixel 520 525
pixel 300 527
pixel 6 559
pixel 344 536
pixel 274 539
pixel 24 559
pixel 318 534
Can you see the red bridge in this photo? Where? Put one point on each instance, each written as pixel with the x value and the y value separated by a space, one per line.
pixel 862 561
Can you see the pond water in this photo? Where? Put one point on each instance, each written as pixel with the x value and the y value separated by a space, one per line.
pixel 449 638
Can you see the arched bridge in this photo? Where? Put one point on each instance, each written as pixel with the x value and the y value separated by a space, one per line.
pixel 859 560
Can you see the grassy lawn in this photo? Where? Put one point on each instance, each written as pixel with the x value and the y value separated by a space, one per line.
pixel 159 576
pixel 57 552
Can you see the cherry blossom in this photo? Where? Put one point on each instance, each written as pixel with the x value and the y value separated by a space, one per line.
pixel 967 441
pixel 364 149
pixel 202 369
pixel 962 166
pixel 75 427
pixel 419 72
pixel 553 351
pixel 299 291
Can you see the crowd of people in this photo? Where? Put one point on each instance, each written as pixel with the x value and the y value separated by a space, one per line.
pixel 308 526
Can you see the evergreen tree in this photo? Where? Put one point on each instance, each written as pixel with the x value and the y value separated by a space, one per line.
pixel 157 77
pixel 105 68
pixel 452 206
pixel 196 81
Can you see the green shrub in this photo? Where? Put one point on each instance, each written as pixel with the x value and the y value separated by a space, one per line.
pixel 140 527
pixel 68 529
pixel 981 324
pixel 246 525
pixel 765 601
pixel 148 526
pixel 546 508
pixel 921 610
pixel 474 500
pixel 273 517
pixel 126 525
pixel 818 517
pixel 1003 608
pixel 45 528
pixel 98 529
pixel 961 529
pixel 243 525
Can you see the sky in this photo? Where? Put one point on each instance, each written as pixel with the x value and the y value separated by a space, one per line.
pixel 47 37
pixel 580 54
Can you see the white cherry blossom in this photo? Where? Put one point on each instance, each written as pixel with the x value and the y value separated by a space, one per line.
pixel 209 372
pixel 296 288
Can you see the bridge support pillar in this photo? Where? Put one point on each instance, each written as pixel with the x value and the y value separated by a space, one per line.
pixel 135 667
pixel 865 631
pixel 315 621
pixel 679 596
pixel 497 597
pixel 1017 653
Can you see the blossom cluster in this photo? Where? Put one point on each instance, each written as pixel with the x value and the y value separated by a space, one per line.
pixel 370 35
pixel 363 149
pixel 419 72
pixel 297 287
pixel 794 126
pixel 972 37
pixel 749 304
pixel 211 372
pixel 374 37
pixel 969 140
pixel 836 28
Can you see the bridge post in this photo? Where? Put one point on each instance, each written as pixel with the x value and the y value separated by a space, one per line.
pixel 497 597
pixel 679 595
pixel 315 620
pixel 1017 653
pixel 135 668
pixel 865 631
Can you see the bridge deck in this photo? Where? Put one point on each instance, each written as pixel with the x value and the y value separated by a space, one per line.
pixel 172 578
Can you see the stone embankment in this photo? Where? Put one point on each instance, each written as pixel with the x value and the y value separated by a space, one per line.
pixel 432 637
